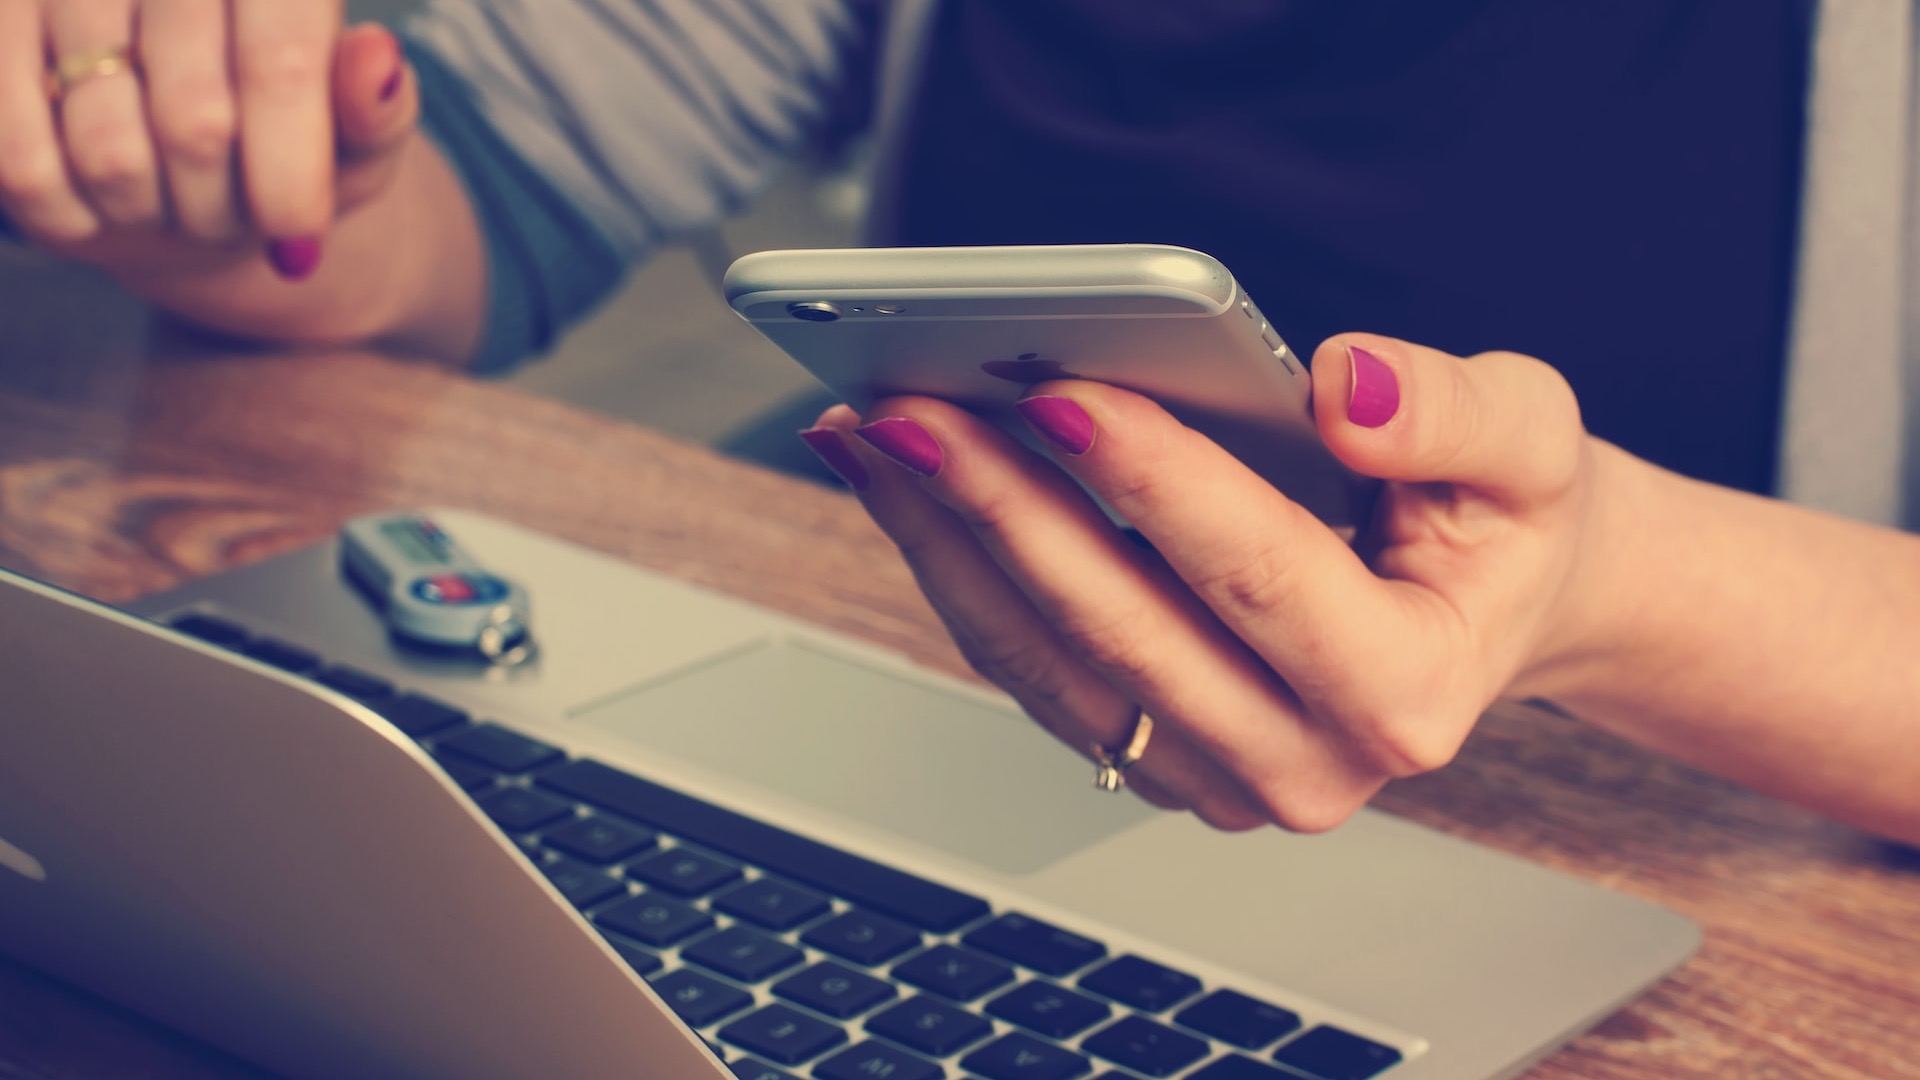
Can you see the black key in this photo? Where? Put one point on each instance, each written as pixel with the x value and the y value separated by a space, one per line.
pixel 599 840
pixel 497 748
pixel 470 776
pixel 862 937
pixel 640 960
pixel 1142 984
pixel 1031 943
pixel 355 683
pixel 698 999
pixel 684 872
pixel 749 1069
pixel 839 992
pixel 1239 1068
pixel 1046 1009
pixel 518 809
pixel 654 919
pixel 929 1025
pixel 774 904
pixel 1332 1054
pixel 582 885
pixel 1233 1017
pixel 875 1059
pixel 213 631
pixel 862 881
pixel 1137 1043
pixel 286 657
pixel 416 715
pixel 953 972
pixel 740 953
pixel 783 1035
pixel 1014 1056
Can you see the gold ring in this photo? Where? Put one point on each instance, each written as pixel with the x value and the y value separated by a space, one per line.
pixel 1110 766
pixel 70 71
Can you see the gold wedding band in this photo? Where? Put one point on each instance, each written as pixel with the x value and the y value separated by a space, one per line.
pixel 1110 766
pixel 70 71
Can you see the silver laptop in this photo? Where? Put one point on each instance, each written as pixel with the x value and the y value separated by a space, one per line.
pixel 695 839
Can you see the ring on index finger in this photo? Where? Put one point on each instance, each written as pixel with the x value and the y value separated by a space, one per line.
pixel 76 68
pixel 1110 766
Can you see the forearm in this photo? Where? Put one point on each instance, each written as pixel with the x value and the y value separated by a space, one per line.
pixel 1764 642
pixel 405 270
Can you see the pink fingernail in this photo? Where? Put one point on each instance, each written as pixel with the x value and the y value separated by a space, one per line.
pixel 391 88
pixel 906 442
pixel 1061 420
pixel 294 260
pixel 1375 394
pixel 827 445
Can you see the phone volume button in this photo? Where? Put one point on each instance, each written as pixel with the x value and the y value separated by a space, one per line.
pixel 1281 352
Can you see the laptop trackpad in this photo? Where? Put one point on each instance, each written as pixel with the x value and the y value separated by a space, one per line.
pixel 875 744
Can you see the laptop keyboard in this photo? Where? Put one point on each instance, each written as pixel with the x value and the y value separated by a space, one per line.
pixel 796 959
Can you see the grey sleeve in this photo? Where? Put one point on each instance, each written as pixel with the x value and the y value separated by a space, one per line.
pixel 654 118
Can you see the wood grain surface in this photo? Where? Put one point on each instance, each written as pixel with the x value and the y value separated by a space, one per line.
pixel 130 465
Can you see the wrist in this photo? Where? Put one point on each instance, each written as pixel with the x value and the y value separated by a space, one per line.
pixel 1599 621
pixel 402 268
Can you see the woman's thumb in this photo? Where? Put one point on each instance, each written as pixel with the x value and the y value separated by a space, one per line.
pixel 1503 424
pixel 376 97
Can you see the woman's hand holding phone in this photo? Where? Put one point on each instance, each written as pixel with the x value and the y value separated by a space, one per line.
pixel 1290 674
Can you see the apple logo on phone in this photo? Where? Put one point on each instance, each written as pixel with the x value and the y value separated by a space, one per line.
pixel 1028 368
pixel 18 861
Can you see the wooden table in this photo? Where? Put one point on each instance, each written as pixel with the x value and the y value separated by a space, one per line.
pixel 129 463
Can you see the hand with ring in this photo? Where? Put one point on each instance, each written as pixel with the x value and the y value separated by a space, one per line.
pixel 1288 674
pixel 183 136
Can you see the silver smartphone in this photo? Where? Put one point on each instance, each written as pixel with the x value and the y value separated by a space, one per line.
pixel 978 325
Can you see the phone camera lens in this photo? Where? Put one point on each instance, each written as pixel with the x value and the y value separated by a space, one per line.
pixel 814 311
